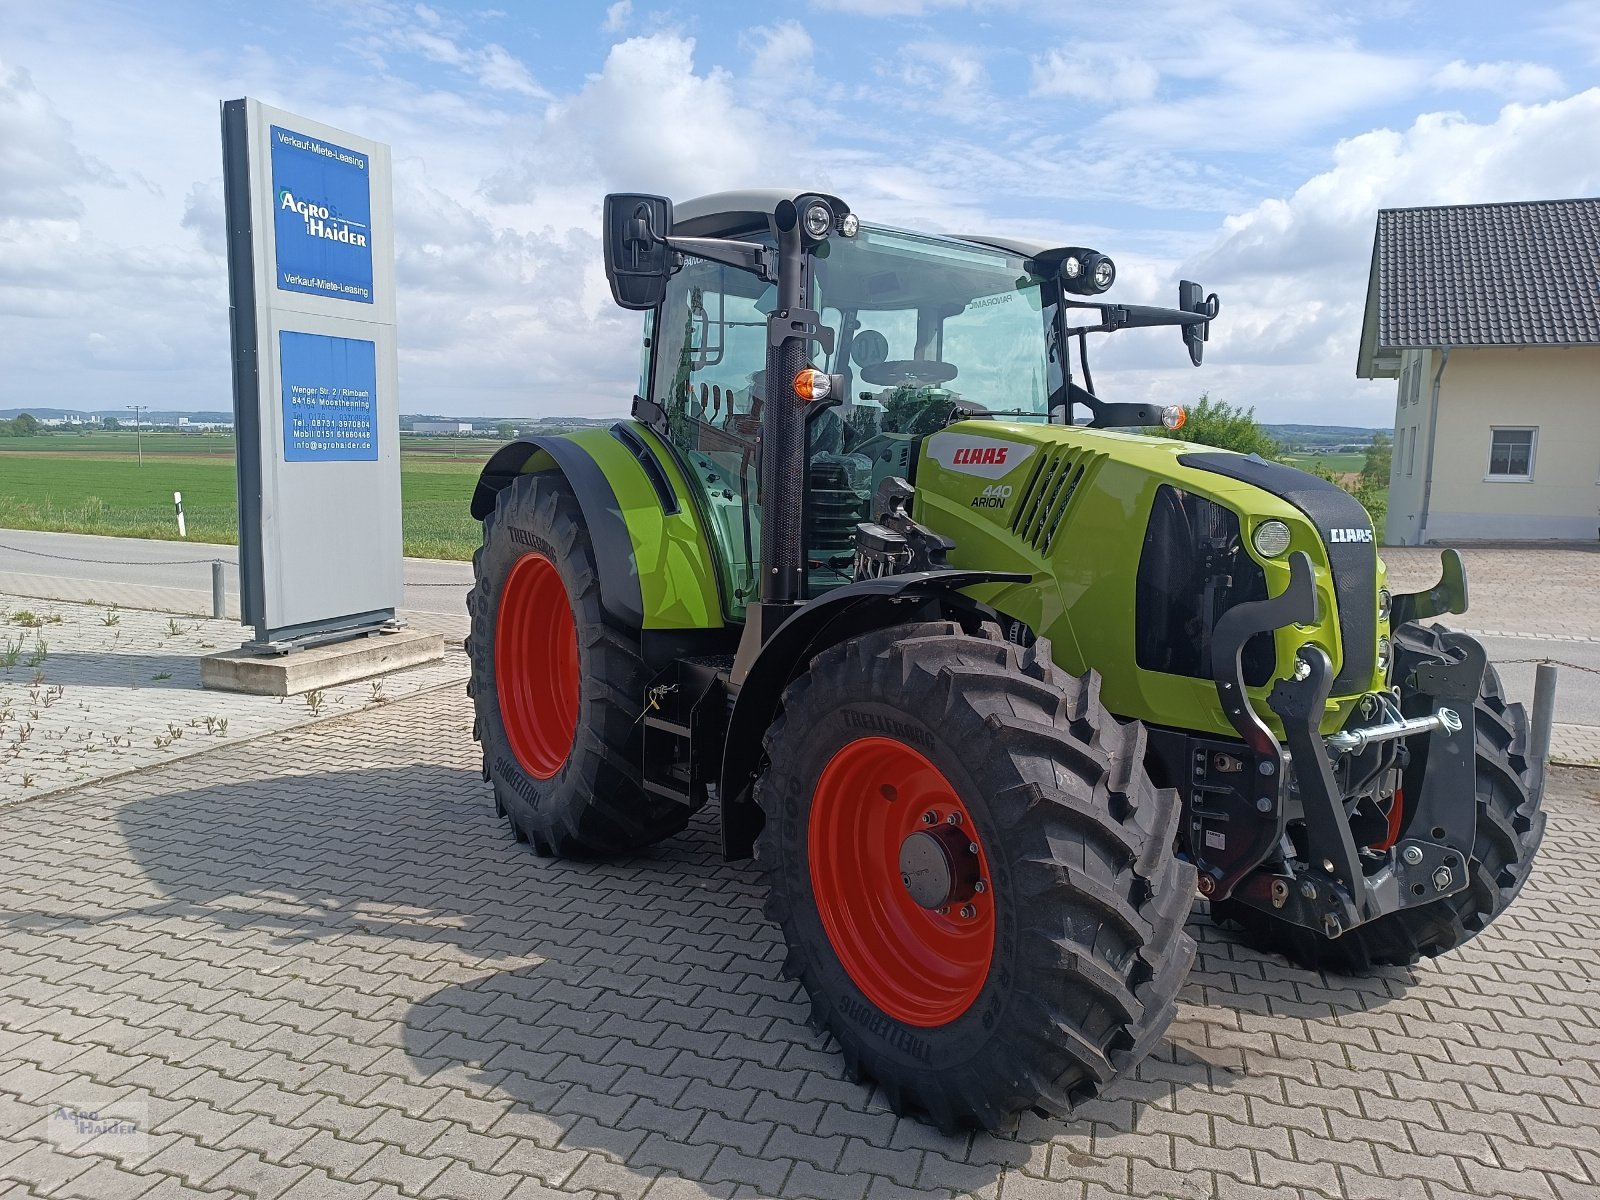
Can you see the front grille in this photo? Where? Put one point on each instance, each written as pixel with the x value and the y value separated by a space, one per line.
pixel 1044 499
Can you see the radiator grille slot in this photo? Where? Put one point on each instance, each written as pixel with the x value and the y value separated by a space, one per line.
pixel 1046 495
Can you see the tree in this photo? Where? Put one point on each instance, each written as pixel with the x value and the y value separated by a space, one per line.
pixel 506 429
pixel 111 423
pixel 24 425
pixel 1216 423
pixel 1375 471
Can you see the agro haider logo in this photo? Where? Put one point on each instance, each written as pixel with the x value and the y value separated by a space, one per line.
pixel 321 221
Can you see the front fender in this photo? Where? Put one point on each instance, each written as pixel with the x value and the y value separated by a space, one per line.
pixel 843 613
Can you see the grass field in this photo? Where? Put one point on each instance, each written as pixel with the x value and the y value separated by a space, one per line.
pixel 93 483
pixel 1339 464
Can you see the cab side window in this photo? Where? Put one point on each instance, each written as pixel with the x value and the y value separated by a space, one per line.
pixel 710 357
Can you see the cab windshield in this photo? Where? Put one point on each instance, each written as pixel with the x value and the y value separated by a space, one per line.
pixel 924 326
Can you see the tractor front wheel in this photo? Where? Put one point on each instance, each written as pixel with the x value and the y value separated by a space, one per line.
pixel 558 687
pixel 974 875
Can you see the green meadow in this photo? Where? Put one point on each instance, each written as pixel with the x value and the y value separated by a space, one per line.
pixel 94 483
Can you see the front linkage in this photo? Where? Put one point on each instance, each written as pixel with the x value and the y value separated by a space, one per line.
pixel 1334 886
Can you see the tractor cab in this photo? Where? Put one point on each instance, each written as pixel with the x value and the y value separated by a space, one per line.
pixel 924 331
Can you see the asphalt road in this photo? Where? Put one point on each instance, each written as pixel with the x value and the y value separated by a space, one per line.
pixel 438 586
pixel 432 585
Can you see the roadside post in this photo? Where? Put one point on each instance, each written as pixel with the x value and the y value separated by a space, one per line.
pixel 1542 721
pixel 177 504
pixel 315 390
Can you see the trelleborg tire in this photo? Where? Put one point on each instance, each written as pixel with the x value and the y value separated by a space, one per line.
pixel 922 745
pixel 1510 825
pixel 557 687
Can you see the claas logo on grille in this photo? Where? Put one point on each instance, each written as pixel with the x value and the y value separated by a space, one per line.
pixel 980 454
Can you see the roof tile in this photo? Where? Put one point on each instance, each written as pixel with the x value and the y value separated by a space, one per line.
pixel 1489 274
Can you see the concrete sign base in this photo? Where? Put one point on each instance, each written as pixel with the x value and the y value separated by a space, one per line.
pixel 319 666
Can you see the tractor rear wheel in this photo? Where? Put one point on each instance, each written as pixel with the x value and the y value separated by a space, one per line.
pixel 557 687
pixel 1510 825
pixel 974 875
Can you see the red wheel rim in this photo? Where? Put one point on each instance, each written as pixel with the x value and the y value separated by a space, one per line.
pixel 920 966
pixel 536 666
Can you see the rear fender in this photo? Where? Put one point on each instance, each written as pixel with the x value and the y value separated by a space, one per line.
pixel 846 612
pixel 655 564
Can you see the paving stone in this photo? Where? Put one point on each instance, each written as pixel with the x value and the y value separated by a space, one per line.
pixel 456 1018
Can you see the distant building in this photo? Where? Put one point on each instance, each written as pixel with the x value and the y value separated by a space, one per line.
pixel 1489 317
pixel 185 425
pixel 449 427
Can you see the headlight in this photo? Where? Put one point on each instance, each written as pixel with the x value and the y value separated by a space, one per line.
pixel 1105 274
pixel 1385 604
pixel 849 225
pixel 1270 539
pixel 1071 267
pixel 1384 650
pixel 818 220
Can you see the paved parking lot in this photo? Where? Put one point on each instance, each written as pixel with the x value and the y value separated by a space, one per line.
pixel 315 965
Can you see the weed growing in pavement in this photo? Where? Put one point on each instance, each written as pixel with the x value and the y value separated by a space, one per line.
pixel 162 675
pixel 173 628
pixel 314 701
pixel 54 693
pixel 217 725
pixel 26 619
pixel 378 696
pixel 27 781
pixel 111 616
pixel 41 651
pixel 38 678
pixel 10 654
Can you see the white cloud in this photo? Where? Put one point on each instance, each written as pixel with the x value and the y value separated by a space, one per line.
pixel 1292 271
pixel 648 121
pixel 1106 77
pixel 1252 92
pixel 903 8
pixel 1508 80
pixel 780 56
pixel 41 167
pixel 617 17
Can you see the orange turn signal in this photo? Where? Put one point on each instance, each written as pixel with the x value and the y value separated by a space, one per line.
pixel 812 384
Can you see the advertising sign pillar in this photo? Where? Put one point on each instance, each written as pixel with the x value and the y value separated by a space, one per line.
pixel 316 409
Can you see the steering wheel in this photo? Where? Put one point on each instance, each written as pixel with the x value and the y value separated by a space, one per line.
pixel 909 372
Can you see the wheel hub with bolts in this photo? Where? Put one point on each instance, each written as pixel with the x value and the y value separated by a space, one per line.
pixel 939 867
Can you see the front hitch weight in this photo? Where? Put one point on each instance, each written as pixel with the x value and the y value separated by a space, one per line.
pixel 1443 822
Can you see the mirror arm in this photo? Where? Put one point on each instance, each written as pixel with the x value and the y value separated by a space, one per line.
pixel 1134 316
pixel 745 256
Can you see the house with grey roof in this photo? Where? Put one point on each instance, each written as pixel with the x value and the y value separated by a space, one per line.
pixel 1488 315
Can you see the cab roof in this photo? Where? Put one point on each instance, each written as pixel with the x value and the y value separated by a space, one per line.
pixel 724 214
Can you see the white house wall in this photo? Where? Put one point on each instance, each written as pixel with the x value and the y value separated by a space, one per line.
pixel 1409 462
pixel 1553 390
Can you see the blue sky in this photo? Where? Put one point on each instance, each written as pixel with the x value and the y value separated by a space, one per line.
pixel 1245 144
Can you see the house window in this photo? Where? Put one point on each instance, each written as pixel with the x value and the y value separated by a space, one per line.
pixel 1511 453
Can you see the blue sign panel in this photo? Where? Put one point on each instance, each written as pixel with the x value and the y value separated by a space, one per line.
pixel 330 398
pixel 323 197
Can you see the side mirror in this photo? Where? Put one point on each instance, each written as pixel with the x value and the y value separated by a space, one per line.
pixel 1192 299
pixel 638 260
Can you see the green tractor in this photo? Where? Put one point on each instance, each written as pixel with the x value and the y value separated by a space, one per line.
pixel 991 688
